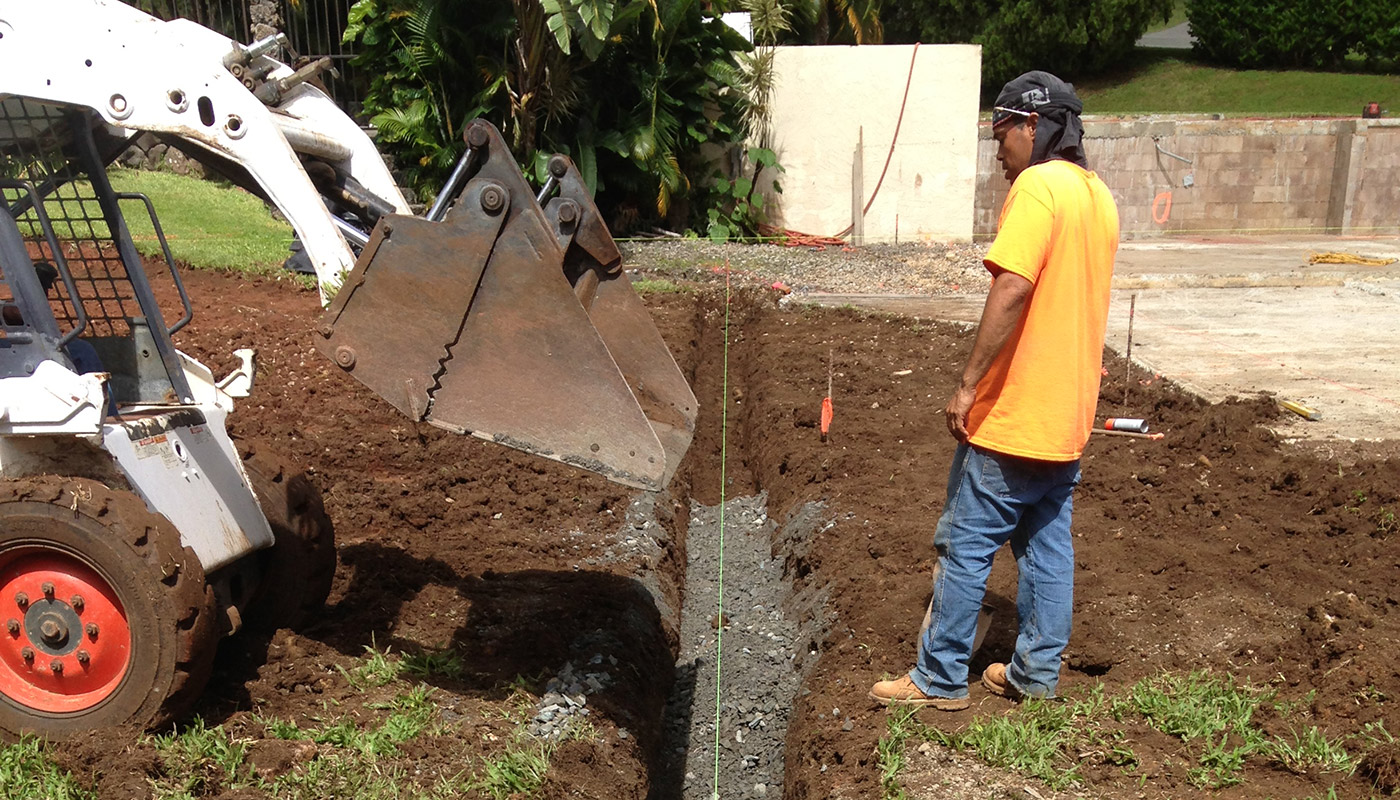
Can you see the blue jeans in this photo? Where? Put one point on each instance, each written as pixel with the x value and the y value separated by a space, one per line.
pixel 993 498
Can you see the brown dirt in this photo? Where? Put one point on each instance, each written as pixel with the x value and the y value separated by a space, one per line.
pixel 1215 548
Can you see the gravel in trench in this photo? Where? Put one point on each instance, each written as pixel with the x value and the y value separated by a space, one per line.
pixel 760 670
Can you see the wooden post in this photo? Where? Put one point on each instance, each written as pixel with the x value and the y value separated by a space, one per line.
pixel 858 191
pixel 1128 370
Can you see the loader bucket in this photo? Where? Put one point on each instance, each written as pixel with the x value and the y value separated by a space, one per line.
pixel 514 322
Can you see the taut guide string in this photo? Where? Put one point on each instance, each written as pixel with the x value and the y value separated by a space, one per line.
pixel 723 480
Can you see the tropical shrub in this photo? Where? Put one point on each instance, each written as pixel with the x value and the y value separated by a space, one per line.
pixel 630 89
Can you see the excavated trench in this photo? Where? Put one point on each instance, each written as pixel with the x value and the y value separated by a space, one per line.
pixel 745 637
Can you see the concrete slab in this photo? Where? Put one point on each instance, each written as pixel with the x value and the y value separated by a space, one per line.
pixel 1241 315
pixel 1177 37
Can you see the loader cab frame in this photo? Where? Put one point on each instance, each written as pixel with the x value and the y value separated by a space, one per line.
pixel 61 209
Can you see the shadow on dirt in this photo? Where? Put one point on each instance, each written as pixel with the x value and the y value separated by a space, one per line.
pixel 519 627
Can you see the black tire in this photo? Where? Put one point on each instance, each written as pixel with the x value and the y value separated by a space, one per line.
pixel 297 571
pixel 98 537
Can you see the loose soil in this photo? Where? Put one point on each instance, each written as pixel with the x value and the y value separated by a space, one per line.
pixel 1214 548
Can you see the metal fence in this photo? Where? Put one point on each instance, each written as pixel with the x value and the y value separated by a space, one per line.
pixel 314 27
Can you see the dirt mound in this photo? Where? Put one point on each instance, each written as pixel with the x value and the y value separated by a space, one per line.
pixel 1216 547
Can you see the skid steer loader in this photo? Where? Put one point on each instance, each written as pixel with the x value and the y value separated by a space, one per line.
pixel 133 531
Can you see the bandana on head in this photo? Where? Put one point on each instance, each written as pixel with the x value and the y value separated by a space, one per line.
pixel 1058 133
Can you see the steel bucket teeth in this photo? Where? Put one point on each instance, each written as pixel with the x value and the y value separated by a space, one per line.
pixel 515 323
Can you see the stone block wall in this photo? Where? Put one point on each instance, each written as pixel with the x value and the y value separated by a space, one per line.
pixel 1258 176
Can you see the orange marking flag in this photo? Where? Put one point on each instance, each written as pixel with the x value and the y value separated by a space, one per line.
pixel 826 415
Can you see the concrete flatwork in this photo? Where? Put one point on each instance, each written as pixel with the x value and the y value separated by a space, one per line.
pixel 1177 37
pixel 1241 315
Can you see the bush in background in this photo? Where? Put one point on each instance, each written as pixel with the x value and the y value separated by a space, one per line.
pixel 1070 38
pixel 1295 33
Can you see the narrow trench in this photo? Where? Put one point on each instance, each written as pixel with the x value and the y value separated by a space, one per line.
pixel 757 671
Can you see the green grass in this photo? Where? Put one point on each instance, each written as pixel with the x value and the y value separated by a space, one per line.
pixel 444 662
pixel 889 751
pixel 520 770
pixel 199 760
pixel 379 668
pixel 1214 718
pixel 351 758
pixel 657 286
pixel 1162 82
pixel 1038 739
pixel 27 773
pixel 209 225
pixel 360 756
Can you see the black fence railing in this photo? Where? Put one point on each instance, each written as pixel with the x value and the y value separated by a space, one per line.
pixel 314 28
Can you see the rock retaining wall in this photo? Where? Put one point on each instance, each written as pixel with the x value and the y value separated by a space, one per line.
pixel 1338 175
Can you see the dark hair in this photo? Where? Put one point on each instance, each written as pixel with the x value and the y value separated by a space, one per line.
pixel 46 273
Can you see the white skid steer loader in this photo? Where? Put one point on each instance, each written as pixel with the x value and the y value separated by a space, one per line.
pixel 133 533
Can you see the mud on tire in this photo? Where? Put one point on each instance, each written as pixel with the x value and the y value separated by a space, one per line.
pixel 298 570
pixel 139 580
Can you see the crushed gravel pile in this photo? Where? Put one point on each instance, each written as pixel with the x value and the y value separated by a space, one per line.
pixel 929 269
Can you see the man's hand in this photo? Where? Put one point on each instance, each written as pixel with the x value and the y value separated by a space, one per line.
pixel 1005 303
pixel 956 412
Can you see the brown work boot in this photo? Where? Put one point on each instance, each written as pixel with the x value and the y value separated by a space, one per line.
pixel 902 692
pixel 994 678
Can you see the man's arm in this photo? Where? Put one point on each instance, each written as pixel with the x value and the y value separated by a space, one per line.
pixel 1005 304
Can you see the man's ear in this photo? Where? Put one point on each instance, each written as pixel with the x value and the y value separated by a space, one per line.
pixel 1031 123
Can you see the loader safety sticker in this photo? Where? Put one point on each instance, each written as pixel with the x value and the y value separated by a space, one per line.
pixel 157 446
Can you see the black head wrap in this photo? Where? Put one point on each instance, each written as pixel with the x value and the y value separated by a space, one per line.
pixel 46 273
pixel 1058 133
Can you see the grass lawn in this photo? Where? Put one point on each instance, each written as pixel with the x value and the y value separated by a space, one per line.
pixel 209 225
pixel 1158 82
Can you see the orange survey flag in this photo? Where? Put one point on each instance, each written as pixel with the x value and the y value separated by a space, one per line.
pixel 826 415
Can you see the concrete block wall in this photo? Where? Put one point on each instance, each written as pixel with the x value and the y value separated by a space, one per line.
pixel 1376 199
pixel 1246 175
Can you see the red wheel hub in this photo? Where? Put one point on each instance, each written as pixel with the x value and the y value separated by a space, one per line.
pixel 66 644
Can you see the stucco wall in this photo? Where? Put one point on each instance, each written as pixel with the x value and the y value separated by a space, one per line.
pixel 1247 175
pixel 826 97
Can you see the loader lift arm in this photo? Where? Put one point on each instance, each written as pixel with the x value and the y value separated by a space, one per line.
pixel 501 313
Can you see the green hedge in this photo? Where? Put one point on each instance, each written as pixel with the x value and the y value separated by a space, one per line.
pixel 1070 38
pixel 1295 33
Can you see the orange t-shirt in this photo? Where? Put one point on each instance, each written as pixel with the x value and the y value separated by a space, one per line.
pixel 1059 230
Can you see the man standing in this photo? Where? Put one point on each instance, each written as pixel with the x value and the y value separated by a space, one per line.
pixel 1025 406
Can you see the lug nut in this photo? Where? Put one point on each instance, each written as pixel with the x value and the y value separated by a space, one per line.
pixel 27 653
pixel 77 603
pixel 13 627
pixel 47 589
pixel 56 667
pixel 493 199
pixel 21 599
pixel 83 657
pixel 91 629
